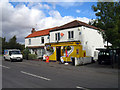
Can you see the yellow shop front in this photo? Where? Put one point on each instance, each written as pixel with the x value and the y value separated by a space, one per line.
pixel 64 50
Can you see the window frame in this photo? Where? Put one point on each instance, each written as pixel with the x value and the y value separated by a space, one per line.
pixel 29 42
pixel 57 36
pixel 70 34
pixel 42 40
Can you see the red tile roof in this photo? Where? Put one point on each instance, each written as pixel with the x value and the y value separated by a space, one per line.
pixel 40 33
pixel 72 24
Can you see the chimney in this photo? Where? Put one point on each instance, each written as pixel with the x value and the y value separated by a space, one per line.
pixel 33 30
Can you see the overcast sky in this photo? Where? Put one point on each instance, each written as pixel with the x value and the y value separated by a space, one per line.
pixel 18 18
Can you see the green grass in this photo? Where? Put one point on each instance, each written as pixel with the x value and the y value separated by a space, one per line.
pixel 1 55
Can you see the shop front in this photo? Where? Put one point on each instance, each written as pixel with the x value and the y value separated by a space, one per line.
pixel 64 51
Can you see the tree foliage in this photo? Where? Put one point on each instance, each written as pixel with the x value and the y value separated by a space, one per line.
pixel 11 44
pixel 108 19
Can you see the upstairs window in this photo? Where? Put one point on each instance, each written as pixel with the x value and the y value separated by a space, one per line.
pixel 70 34
pixel 29 41
pixel 57 36
pixel 42 39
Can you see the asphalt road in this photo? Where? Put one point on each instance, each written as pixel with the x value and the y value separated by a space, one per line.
pixel 39 74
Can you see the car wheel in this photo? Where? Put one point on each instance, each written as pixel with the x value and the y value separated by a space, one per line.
pixel 21 60
pixel 99 62
pixel 11 60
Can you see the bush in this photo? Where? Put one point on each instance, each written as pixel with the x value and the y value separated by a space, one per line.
pixel 25 53
pixel 32 56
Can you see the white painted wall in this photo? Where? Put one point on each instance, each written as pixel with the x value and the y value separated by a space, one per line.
pixel 65 37
pixel 90 38
pixel 36 41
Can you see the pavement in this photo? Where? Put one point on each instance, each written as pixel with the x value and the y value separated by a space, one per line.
pixel 39 74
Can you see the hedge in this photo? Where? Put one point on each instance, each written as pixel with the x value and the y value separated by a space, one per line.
pixel 32 56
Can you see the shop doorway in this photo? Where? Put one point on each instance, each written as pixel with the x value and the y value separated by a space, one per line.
pixel 58 53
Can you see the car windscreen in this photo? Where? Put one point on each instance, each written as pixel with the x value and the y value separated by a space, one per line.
pixel 104 53
pixel 14 52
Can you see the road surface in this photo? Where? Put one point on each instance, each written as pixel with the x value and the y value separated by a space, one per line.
pixel 39 74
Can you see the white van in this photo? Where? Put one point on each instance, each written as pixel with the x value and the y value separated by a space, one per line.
pixel 13 54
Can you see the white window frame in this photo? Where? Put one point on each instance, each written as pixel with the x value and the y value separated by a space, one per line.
pixel 42 38
pixel 29 40
pixel 70 34
pixel 57 36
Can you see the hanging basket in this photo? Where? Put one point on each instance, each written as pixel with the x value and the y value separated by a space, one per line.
pixel 50 49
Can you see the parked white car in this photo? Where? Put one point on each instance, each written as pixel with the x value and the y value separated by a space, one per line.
pixel 13 54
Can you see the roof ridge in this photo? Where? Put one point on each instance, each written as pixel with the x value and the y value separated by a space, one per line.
pixel 40 32
pixel 48 28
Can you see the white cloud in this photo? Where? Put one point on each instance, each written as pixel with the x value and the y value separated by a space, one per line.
pixel 66 3
pixel 78 11
pixel 54 14
pixel 38 5
pixel 19 21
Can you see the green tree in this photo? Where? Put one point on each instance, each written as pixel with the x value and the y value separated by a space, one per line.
pixel 12 44
pixel 4 44
pixel 108 19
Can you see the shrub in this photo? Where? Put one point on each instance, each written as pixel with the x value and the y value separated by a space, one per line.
pixel 32 56
pixel 25 53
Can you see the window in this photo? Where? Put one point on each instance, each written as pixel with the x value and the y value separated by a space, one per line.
pixel 48 37
pixel 79 33
pixel 70 34
pixel 42 39
pixel 57 36
pixel 29 41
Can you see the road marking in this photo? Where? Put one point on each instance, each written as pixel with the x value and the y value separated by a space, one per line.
pixel 82 88
pixel 35 76
pixel 4 66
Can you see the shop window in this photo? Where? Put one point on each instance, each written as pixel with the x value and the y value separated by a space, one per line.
pixel 70 34
pixel 68 48
pixel 42 39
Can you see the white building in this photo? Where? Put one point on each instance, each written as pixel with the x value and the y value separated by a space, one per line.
pixel 89 36
pixel 36 41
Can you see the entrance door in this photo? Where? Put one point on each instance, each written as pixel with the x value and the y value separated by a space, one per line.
pixel 58 53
